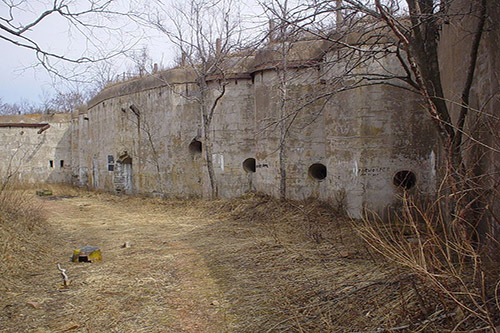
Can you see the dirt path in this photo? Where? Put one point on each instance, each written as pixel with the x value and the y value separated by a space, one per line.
pixel 252 264
pixel 159 284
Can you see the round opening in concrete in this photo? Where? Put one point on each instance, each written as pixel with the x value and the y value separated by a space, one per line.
pixel 404 179
pixel 317 171
pixel 249 165
pixel 195 147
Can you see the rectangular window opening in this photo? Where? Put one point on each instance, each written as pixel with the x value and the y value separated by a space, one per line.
pixel 61 163
pixel 51 163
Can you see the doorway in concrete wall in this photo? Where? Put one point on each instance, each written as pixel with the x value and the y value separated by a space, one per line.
pixel 123 175
pixel 127 173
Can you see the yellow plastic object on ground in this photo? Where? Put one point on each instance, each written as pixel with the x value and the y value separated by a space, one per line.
pixel 44 193
pixel 87 254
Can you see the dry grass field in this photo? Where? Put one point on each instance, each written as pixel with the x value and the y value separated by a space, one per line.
pixel 252 264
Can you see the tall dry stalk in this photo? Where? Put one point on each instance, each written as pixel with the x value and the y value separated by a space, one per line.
pixel 451 264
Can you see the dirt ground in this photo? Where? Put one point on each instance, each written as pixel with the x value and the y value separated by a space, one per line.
pixel 159 284
pixel 247 265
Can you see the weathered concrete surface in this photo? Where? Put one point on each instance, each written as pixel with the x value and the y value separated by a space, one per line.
pixel 304 140
pixel 145 135
pixel 233 134
pixel 361 138
pixel 150 126
pixel 374 132
pixel 482 139
pixel 30 156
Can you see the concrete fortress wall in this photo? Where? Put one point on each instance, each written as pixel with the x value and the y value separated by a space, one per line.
pixel 35 148
pixel 153 137
pixel 484 116
pixel 144 135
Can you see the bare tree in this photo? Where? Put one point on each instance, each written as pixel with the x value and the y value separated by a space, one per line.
pixel 103 73
pixel 206 33
pixel 142 62
pixel 283 36
pixel 66 102
pixel 91 22
pixel 408 31
pixel 451 257
pixel 22 107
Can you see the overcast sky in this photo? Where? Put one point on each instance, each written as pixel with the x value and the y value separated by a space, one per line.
pixel 16 83
pixel 24 79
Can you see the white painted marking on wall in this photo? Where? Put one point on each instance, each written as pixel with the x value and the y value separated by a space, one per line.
pixel 432 161
pixel 218 160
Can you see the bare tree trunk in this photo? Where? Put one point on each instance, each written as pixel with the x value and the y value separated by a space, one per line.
pixel 282 74
pixel 207 115
pixel 282 159
pixel 283 122
pixel 208 156
pixel 283 130
pixel 422 53
pixel 339 19
pixel 145 126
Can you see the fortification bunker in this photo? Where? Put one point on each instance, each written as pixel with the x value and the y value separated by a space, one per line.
pixel 366 146
pixel 351 146
pixel 144 136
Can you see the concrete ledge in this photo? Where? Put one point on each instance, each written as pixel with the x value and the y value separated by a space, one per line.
pixel 166 78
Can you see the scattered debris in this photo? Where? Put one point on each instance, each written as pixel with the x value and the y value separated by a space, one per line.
pixel 34 305
pixel 431 319
pixel 70 326
pixel 348 254
pixel 58 197
pixel 215 303
pixel 44 193
pixel 87 254
pixel 64 276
